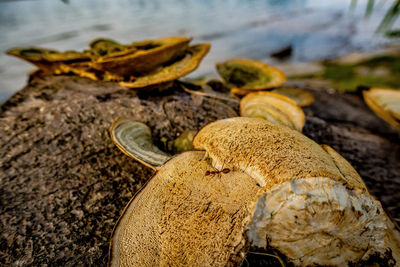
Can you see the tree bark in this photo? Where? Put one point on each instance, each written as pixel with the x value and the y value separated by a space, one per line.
pixel 64 184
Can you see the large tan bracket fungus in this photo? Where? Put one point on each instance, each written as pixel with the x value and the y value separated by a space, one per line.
pixel 257 185
pixel 186 215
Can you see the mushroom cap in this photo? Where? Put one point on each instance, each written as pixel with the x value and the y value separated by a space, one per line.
pixel 142 57
pixel 303 98
pixel 134 139
pixel 190 61
pixel 267 112
pixel 250 74
pixel 268 152
pixel 258 184
pixel 185 216
pixel 312 205
pixel 385 103
pixel 281 103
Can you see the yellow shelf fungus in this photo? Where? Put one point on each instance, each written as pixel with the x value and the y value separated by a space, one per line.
pixel 245 75
pixel 255 184
pixel 385 103
pixel 274 107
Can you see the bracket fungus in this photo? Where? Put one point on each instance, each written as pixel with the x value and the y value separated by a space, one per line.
pixel 302 97
pixel 141 64
pixel 255 184
pixel 134 139
pixel 246 75
pixel 385 103
pixel 172 71
pixel 142 57
pixel 49 60
pixel 273 107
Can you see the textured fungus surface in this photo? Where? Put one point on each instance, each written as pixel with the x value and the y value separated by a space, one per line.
pixel 64 184
pixel 281 154
pixel 312 206
pixel 185 216
pixel 286 193
pixel 319 221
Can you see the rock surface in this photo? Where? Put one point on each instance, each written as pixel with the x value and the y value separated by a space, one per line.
pixel 64 184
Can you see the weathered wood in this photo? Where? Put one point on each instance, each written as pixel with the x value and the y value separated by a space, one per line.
pixel 64 184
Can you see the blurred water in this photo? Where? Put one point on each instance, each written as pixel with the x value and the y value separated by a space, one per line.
pixel 316 29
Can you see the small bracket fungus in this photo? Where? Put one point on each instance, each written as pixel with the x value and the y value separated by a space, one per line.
pixel 245 75
pixel 385 103
pixel 48 60
pixel 273 107
pixel 188 63
pixel 142 57
pixel 301 97
pixel 257 184
pixel 134 139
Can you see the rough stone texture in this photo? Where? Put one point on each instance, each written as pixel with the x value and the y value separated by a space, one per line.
pixel 64 184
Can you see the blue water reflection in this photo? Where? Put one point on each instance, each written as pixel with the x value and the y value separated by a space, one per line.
pixel 316 29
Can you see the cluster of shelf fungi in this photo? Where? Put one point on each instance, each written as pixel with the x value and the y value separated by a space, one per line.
pixel 242 184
